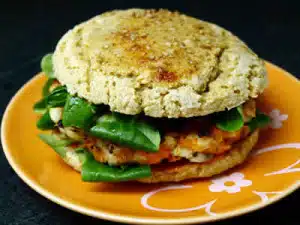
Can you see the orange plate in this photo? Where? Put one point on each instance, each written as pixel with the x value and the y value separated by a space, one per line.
pixel 271 173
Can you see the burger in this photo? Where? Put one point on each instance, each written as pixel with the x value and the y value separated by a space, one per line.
pixel 151 96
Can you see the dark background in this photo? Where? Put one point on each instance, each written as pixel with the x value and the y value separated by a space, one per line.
pixel 31 29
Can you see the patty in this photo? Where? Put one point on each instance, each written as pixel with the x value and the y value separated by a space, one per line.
pixel 199 140
pixel 186 170
pixel 183 170
pixel 157 62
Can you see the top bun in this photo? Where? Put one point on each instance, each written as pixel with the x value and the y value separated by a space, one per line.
pixel 157 62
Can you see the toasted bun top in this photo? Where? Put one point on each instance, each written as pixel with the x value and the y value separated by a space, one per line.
pixel 162 63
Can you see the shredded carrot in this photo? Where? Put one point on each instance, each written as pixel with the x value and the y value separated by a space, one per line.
pixel 157 157
pixel 90 142
pixel 74 145
pixel 222 148
pixel 189 143
pixel 229 137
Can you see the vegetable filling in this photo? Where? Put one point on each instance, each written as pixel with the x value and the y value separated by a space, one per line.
pixel 109 146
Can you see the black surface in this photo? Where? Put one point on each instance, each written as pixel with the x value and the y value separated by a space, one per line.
pixel 29 30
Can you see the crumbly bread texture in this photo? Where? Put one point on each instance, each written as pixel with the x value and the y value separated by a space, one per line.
pixel 220 164
pixel 174 172
pixel 161 63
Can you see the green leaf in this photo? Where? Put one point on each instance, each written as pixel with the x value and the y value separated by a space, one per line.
pixel 127 131
pixel 47 86
pixel 230 120
pixel 58 144
pixel 41 106
pixel 45 122
pixel 82 153
pixel 47 66
pixel 261 120
pixel 78 113
pixel 240 110
pixel 93 171
pixel 58 97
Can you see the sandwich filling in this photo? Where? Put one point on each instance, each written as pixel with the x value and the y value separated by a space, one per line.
pixel 197 142
pixel 109 146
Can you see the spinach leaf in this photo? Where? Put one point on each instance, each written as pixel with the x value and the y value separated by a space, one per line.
pixel 93 171
pixel 47 66
pixel 47 86
pixel 41 106
pixel 78 113
pixel 45 122
pixel 59 145
pixel 127 131
pixel 82 154
pixel 230 120
pixel 261 120
pixel 58 97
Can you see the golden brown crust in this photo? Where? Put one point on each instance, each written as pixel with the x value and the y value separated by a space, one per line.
pixel 161 63
pixel 184 171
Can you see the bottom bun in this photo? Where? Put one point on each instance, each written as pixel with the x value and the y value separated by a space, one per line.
pixel 176 172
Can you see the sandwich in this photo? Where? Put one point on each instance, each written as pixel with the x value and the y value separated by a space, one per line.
pixel 151 96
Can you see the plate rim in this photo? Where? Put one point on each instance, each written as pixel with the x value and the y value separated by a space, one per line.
pixel 118 217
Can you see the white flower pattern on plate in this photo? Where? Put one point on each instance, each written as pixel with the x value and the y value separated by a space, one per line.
pixel 235 179
pixel 277 118
pixel 219 184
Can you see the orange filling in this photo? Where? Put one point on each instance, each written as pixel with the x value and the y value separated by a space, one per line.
pixel 156 157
